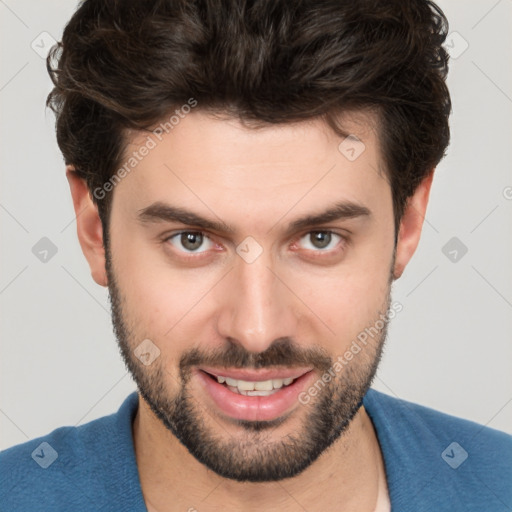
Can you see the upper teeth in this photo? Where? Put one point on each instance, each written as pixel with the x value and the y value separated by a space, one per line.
pixel 264 385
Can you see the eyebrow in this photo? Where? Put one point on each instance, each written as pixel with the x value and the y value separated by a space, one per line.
pixel 162 212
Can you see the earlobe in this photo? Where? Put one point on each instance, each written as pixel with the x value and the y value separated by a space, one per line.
pixel 88 224
pixel 411 225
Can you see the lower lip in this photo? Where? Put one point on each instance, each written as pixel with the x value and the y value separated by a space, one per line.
pixel 253 408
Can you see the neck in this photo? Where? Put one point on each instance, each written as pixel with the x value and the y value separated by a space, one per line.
pixel 347 474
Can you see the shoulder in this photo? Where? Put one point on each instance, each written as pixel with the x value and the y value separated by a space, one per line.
pixel 399 413
pixel 71 466
pixel 442 455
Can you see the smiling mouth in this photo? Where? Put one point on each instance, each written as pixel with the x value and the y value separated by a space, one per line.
pixel 253 388
pixel 254 395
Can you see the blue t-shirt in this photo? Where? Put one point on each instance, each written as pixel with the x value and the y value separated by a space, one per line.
pixel 434 462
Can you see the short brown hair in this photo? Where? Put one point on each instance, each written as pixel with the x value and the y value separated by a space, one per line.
pixel 130 63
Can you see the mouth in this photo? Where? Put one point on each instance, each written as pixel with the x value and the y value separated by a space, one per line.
pixel 257 395
pixel 250 383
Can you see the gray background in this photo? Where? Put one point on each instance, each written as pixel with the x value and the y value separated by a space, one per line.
pixel 448 349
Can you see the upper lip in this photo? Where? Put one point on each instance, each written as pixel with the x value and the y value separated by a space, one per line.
pixel 256 375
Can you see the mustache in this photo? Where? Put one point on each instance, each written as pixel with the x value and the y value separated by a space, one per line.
pixel 282 352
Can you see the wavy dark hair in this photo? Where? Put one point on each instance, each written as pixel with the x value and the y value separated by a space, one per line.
pixel 128 64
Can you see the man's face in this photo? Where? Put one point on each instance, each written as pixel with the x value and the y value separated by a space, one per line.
pixel 268 296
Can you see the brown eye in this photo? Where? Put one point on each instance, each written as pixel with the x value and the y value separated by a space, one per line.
pixel 190 241
pixel 320 240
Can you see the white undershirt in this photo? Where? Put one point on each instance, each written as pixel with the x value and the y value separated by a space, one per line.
pixel 383 504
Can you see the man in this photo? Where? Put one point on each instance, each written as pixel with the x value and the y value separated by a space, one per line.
pixel 249 178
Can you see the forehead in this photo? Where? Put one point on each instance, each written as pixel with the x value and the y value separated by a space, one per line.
pixel 212 163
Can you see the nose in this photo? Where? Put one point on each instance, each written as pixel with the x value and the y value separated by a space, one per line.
pixel 256 307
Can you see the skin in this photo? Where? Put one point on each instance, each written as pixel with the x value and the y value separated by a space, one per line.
pixel 258 181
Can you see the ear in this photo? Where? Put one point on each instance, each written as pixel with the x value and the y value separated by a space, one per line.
pixel 88 224
pixel 411 224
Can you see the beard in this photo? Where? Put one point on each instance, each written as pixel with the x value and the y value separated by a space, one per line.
pixel 252 456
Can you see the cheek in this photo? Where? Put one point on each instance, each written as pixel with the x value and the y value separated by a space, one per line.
pixel 348 307
pixel 348 298
pixel 167 304
pixel 154 297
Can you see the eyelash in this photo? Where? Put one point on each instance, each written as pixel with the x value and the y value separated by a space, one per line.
pixel 319 253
